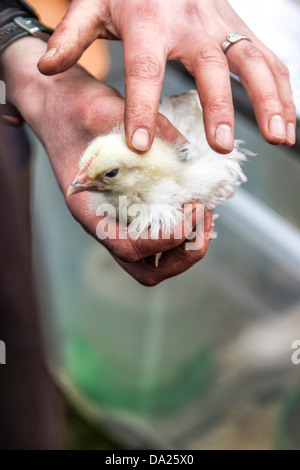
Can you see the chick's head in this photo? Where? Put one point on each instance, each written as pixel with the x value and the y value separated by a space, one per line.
pixel 108 165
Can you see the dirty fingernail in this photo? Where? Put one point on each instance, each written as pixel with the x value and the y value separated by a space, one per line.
pixel 49 54
pixel 277 127
pixel 141 140
pixel 224 137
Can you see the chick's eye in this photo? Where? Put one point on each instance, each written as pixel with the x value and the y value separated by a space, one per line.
pixel 112 173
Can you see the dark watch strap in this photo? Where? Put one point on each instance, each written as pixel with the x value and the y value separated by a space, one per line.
pixel 11 8
pixel 17 20
pixel 22 26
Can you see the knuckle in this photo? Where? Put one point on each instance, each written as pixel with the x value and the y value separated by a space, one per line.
pixel 139 111
pixel 62 28
pixel 144 67
pixel 83 39
pixel 220 105
pixel 280 69
pixel 289 105
pixel 102 18
pixel 147 9
pixel 83 113
pixel 191 9
pixel 127 255
pixel 147 282
pixel 283 71
pixel 87 113
pixel 213 55
pixel 251 52
pixel 269 98
pixel 198 256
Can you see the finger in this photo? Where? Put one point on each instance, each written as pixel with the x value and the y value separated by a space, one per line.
pixel 131 250
pixel 118 241
pixel 180 259
pixel 195 246
pixel 77 30
pixel 281 77
pixel 172 263
pixel 146 245
pixel 144 62
pixel 210 68
pixel 249 63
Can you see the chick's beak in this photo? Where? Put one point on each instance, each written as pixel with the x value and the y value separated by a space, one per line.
pixel 75 188
pixel 83 183
pixel 89 185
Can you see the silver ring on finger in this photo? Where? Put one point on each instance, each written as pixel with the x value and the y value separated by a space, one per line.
pixel 232 39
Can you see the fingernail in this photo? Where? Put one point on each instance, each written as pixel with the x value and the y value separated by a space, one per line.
pixel 49 53
pixel 277 127
pixel 141 140
pixel 291 133
pixel 224 137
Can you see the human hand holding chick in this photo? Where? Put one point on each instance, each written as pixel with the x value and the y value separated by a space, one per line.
pixel 148 192
pixel 66 112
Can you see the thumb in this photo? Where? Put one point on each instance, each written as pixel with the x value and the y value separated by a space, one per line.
pixel 73 35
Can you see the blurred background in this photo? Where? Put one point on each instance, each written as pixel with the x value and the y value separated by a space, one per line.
pixel 202 361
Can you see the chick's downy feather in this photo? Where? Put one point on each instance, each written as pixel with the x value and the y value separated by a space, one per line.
pixel 167 176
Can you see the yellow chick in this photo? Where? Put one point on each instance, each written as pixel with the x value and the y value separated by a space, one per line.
pixel 164 178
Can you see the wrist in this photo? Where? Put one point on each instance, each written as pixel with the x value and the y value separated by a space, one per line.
pixel 26 88
pixel 19 69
